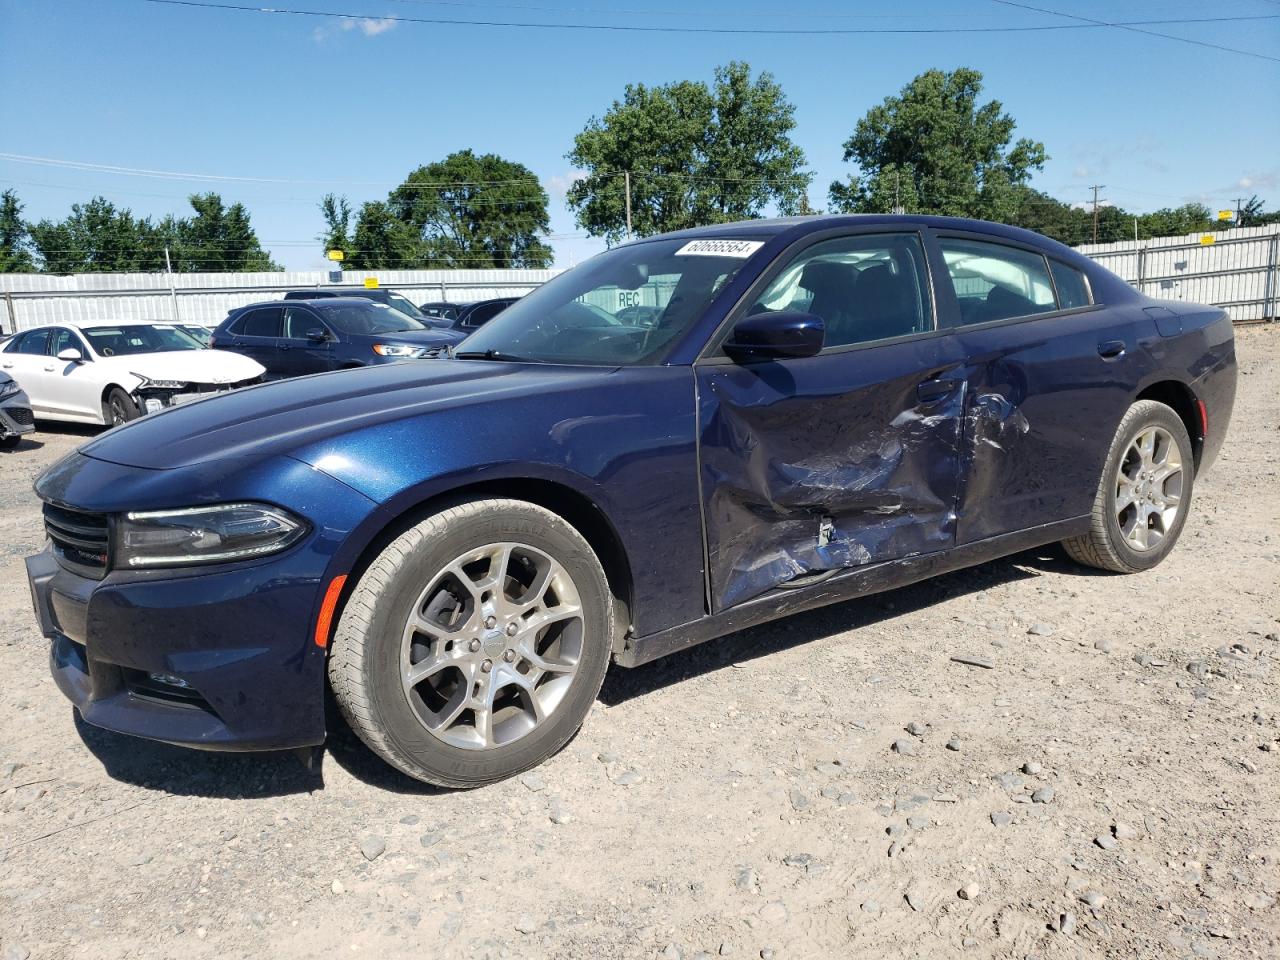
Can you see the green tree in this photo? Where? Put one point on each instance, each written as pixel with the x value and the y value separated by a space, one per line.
pixel 1251 212
pixel 218 239
pixel 96 238
pixel 383 241
pixel 696 155
pixel 1175 221
pixel 474 211
pixel 936 150
pixel 337 222
pixel 14 255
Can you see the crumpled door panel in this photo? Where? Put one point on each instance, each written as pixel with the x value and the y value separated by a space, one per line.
pixel 823 464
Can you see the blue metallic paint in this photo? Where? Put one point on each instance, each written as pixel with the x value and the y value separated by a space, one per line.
pixel 689 460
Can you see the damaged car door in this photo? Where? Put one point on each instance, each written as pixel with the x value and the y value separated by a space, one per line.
pixel 817 464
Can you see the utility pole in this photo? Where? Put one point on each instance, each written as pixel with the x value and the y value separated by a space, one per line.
pixel 627 186
pixel 173 292
pixel 1096 188
pixel 1239 200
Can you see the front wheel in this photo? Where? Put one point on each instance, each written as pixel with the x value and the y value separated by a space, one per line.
pixel 118 407
pixel 474 645
pixel 1144 495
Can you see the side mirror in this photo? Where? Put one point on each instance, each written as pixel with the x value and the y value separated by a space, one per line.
pixel 787 334
pixel 317 335
pixel 71 355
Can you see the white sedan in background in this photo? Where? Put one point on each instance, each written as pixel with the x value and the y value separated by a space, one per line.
pixel 113 371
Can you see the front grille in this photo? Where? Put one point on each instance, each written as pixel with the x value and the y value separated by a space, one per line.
pixel 81 541
pixel 22 416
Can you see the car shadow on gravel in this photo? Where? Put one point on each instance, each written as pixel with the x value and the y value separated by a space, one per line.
pixel 197 773
pixel 801 628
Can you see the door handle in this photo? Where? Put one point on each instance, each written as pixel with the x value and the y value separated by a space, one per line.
pixel 1111 349
pixel 7 366
pixel 931 391
pixel 50 369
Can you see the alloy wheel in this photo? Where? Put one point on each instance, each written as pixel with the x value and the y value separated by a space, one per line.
pixel 1149 489
pixel 491 646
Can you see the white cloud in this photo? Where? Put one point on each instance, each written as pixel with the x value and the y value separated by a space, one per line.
pixel 369 26
pixel 558 184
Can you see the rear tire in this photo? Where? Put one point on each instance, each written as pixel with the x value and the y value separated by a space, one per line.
pixel 118 407
pixel 10 442
pixel 474 645
pixel 1144 495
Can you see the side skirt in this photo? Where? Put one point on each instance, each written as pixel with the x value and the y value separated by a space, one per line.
pixel 849 585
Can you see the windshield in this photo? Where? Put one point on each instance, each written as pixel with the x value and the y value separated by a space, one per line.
pixel 122 340
pixel 625 306
pixel 366 317
pixel 405 305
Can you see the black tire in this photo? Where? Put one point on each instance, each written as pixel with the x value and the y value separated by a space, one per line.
pixel 365 659
pixel 1105 545
pixel 10 442
pixel 118 407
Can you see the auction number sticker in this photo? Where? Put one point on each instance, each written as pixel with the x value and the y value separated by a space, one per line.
pixel 720 248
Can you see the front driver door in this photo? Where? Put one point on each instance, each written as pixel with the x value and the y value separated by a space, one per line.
pixel 300 355
pixel 841 460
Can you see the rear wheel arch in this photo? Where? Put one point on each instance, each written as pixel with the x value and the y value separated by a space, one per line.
pixel 571 505
pixel 1183 401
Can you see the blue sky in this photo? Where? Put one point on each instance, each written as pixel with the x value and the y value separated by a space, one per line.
pixel 316 105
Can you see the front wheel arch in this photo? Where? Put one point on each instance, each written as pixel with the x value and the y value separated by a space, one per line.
pixel 574 507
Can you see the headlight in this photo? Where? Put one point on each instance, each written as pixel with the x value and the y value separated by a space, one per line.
pixel 396 350
pixel 149 384
pixel 9 389
pixel 228 531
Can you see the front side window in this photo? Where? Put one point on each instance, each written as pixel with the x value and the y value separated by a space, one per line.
pixel 996 282
pixel 1073 289
pixel 64 339
pixel 298 323
pixel 584 315
pixel 126 339
pixel 864 288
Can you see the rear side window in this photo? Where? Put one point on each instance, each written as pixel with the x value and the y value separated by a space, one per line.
pixel 996 282
pixel 264 322
pixel 37 341
pixel 1073 289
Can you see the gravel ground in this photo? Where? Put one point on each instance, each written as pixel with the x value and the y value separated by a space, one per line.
pixel 831 785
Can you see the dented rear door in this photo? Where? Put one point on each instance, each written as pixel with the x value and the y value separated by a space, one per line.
pixel 831 462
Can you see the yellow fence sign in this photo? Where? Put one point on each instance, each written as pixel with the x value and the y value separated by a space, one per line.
pixel 1224 214
pixel 335 255
pixel 1205 241
pixel 371 283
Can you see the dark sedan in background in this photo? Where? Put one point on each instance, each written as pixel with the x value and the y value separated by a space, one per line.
pixel 296 337
pixel 468 316
pixel 376 294
pixel 818 408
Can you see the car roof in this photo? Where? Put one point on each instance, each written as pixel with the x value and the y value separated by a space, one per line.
pixel 105 322
pixel 799 226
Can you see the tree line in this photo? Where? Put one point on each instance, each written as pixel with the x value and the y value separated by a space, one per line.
pixel 661 158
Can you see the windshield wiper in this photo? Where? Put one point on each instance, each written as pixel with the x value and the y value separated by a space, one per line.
pixel 493 355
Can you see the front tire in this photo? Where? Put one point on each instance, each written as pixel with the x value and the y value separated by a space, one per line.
pixel 1144 494
pixel 118 407
pixel 474 645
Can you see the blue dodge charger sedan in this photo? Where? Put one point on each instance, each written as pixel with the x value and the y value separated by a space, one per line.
pixel 814 409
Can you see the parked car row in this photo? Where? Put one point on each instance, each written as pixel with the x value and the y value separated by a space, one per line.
pixel 97 372
pixel 16 415
pixel 823 408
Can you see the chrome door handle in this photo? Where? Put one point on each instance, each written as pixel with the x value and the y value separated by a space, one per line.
pixel 1111 349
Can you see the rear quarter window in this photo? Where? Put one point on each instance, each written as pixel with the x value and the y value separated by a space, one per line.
pixel 1073 287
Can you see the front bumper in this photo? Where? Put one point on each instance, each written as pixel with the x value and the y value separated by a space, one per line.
pixel 16 419
pixel 218 657
pixel 251 681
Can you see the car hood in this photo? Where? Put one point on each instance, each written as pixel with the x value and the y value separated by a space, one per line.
pixel 289 415
pixel 190 366
pixel 417 338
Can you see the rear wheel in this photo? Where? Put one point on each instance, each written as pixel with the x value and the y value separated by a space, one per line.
pixel 118 407
pixel 10 441
pixel 1143 497
pixel 474 645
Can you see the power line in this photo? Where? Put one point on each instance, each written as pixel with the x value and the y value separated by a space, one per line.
pixel 1135 26
pixel 648 28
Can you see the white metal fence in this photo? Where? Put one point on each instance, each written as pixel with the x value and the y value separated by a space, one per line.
pixel 1238 271
pixel 32 299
